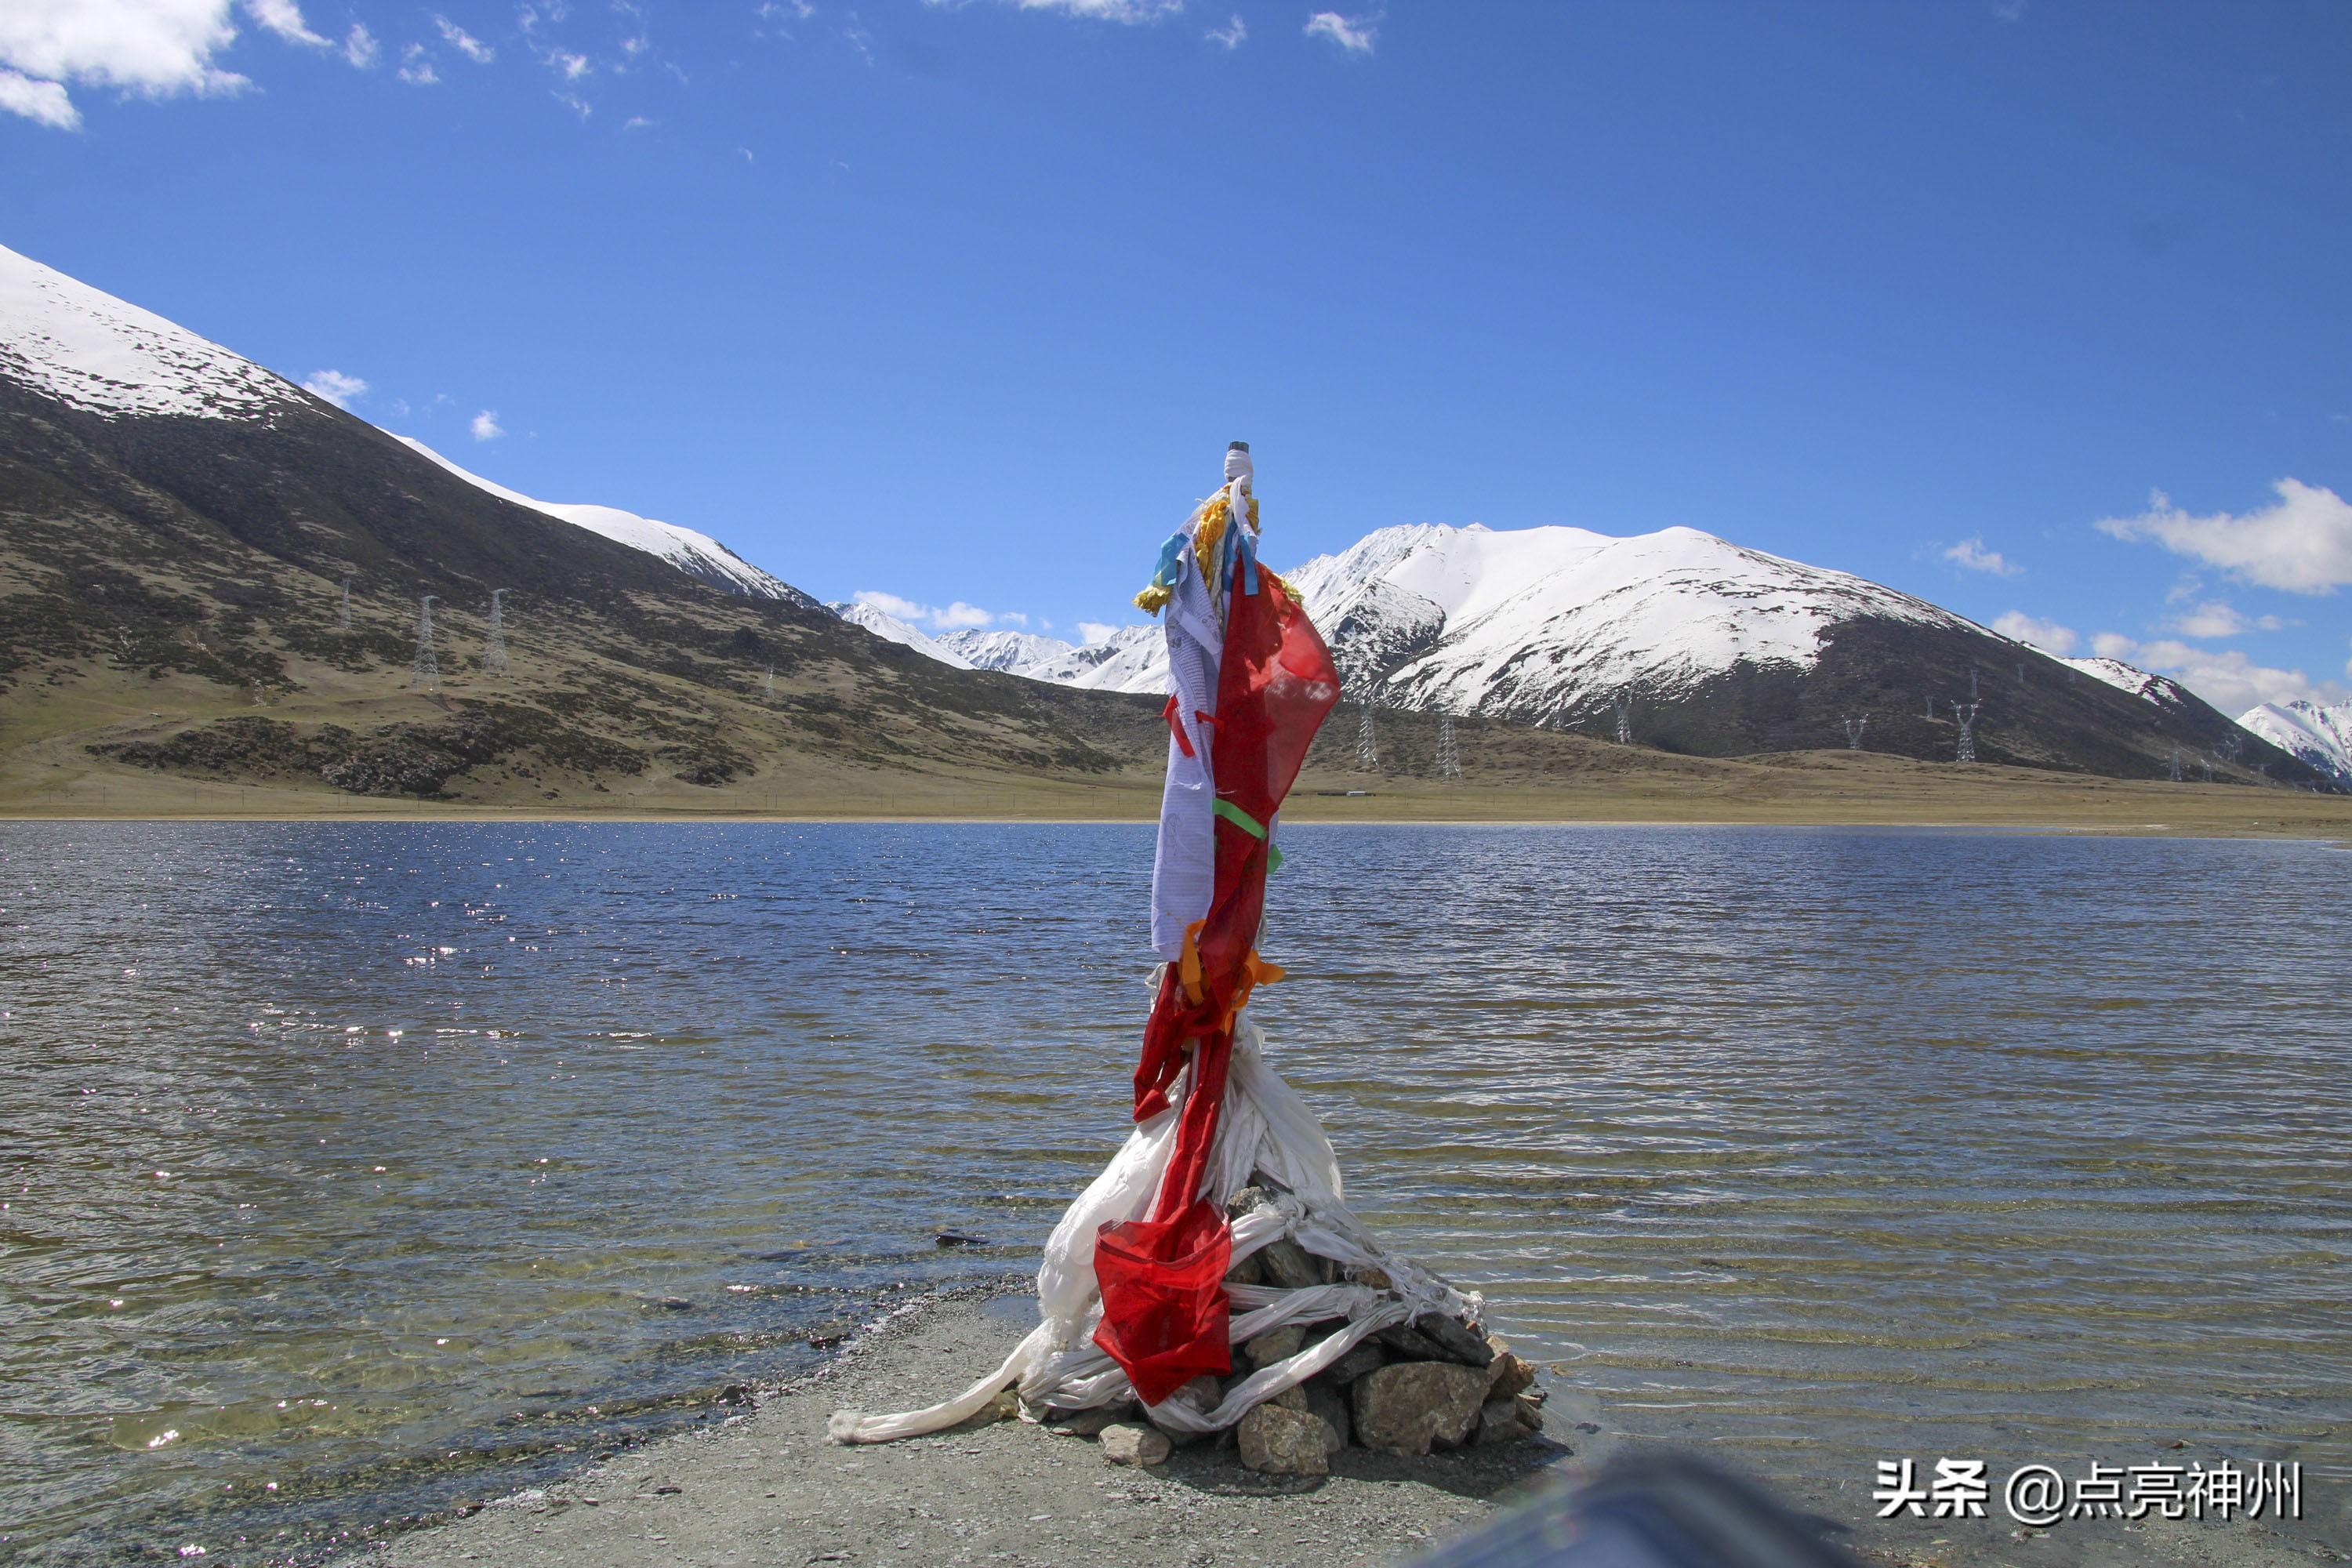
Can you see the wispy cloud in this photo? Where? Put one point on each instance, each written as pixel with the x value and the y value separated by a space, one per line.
pixel 416 67
pixel 360 46
pixel 47 102
pixel 1232 36
pixel 284 17
pixel 1129 11
pixel 1357 34
pixel 570 67
pixel 2048 636
pixel 2226 678
pixel 635 122
pixel 2217 619
pixel 574 102
pixel 954 618
pixel 485 426
pixel 1972 555
pixel 334 387
pixel 464 42
pixel 2302 543
pixel 1096 633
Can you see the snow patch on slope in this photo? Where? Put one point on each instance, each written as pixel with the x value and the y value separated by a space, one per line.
pixel 98 353
pixel 2156 689
pixel 2321 736
pixel 697 555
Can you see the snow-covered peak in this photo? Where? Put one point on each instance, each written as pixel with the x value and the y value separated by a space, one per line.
pixel 1538 622
pixel 697 555
pixel 1133 658
pixel 2318 734
pixel 1017 653
pixel 883 623
pixel 93 351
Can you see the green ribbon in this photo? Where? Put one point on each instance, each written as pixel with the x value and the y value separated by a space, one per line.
pixel 1251 825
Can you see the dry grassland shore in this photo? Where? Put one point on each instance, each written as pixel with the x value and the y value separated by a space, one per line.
pixel 767 1489
pixel 1817 789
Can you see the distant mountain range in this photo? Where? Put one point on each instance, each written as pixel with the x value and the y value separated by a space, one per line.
pixel 175 508
pixel 177 529
pixel 1710 648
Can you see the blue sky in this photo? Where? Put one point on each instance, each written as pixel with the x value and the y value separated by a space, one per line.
pixel 960 303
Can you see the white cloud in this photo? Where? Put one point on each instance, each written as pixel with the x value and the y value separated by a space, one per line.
pixel 635 122
pixel 2224 677
pixel 45 101
pixel 416 70
pixel 2216 619
pixel 1354 33
pixel 938 617
pixel 574 102
pixel 2047 635
pixel 153 48
pixel 334 387
pixel 485 426
pixel 464 42
pixel 1016 617
pixel 570 67
pixel 284 17
pixel 1971 553
pixel 1231 35
pixel 2302 543
pixel 360 46
pixel 1096 632
pixel 1127 11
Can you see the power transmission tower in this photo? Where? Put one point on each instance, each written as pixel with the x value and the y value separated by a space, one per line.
pixel 427 673
pixel 1625 718
pixel 2176 763
pixel 1449 753
pixel 1853 729
pixel 1931 705
pixel 1968 720
pixel 2020 675
pixel 768 685
pixel 343 621
pixel 2206 763
pixel 1368 746
pixel 494 650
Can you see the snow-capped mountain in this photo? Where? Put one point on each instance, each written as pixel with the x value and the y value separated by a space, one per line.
pixel 95 352
pixel 697 555
pixel 2320 736
pixel 1545 624
pixel 1133 658
pixel 883 623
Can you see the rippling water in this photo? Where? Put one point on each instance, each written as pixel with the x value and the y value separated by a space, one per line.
pixel 350 1170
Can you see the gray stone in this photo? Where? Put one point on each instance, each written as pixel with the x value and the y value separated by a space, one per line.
pixel 1250 1270
pixel 1409 1343
pixel 1279 1441
pixel 1330 1406
pixel 1088 1423
pixel 1410 1407
pixel 1274 1346
pixel 1126 1443
pixel 1499 1421
pixel 1458 1339
pixel 1290 1266
pixel 1367 1356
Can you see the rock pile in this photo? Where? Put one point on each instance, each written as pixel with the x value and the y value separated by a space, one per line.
pixel 1434 1383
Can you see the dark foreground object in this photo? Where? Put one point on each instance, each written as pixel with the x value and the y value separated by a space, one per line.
pixel 1647 1512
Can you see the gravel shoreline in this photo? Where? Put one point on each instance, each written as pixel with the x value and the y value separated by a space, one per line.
pixel 765 1488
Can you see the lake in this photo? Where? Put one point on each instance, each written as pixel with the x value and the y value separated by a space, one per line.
pixel 351 1170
